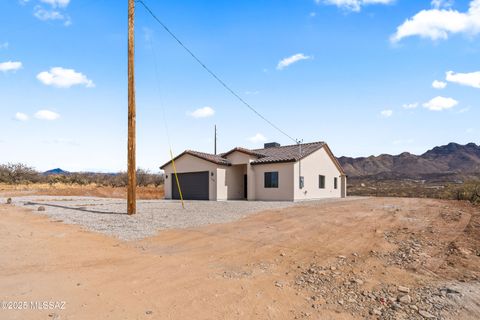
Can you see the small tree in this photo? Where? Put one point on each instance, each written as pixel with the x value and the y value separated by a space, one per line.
pixel 16 173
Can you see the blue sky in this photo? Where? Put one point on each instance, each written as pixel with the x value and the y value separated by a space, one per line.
pixel 358 74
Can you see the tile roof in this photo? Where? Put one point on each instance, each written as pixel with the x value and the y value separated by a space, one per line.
pixel 209 157
pixel 287 153
pixel 280 154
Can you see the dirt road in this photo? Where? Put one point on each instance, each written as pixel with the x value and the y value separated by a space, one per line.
pixel 341 260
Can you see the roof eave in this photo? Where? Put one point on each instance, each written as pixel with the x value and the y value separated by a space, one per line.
pixel 244 151
pixel 271 162
pixel 196 156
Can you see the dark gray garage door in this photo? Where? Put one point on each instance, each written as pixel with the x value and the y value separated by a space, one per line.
pixel 194 186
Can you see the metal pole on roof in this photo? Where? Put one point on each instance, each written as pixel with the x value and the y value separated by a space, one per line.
pixel 299 142
pixel 215 141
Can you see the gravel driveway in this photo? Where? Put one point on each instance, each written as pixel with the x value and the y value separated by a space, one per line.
pixel 109 216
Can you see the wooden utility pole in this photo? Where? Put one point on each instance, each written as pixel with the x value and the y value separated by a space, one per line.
pixel 132 174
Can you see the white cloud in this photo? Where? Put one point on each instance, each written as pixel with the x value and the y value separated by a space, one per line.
pixel 410 105
pixel 10 66
pixel 204 112
pixel 313 14
pixel 386 113
pixel 463 110
pixel 257 138
pixel 68 21
pixel 44 15
pixel 21 116
pixel 4 45
pixel 440 103
pixel 291 60
pixel 353 5
pixel 47 115
pixel 437 4
pixel 57 3
pixel 439 84
pixel 252 93
pixel 471 79
pixel 64 78
pixel 438 24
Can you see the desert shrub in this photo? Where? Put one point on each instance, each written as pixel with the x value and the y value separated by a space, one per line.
pixel 145 178
pixel 469 191
pixel 18 173
pixel 22 174
pixel 118 180
pixel 158 180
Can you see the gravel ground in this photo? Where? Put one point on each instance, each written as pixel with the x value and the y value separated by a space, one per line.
pixel 108 216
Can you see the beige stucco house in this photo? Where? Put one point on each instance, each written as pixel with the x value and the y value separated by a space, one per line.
pixel 275 173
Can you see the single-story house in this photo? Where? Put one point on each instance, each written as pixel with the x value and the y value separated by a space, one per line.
pixel 275 173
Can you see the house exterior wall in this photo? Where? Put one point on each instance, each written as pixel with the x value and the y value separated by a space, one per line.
pixel 344 186
pixel 238 157
pixel 312 166
pixel 251 181
pixel 189 163
pixel 227 182
pixel 222 188
pixel 235 176
pixel 233 181
pixel 284 192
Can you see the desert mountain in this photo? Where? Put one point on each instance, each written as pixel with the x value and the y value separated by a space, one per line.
pixel 449 160
pixel 56 171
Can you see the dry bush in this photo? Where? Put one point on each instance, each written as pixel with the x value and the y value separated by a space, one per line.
pixel 469 191
pixel 17 174
pixel 145 178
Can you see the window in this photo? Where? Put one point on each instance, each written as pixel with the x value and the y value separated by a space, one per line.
pixel 321 182
pixel 335 181
pixel 301 182
pixel 271 179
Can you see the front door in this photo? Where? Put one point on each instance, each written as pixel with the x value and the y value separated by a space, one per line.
pixel 245 186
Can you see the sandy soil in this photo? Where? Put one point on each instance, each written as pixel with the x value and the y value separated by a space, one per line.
pixel 247 269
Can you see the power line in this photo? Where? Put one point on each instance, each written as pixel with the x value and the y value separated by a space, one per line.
pixel 157 76
pixel 213 74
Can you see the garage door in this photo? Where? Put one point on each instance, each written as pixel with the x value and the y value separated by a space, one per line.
pixel 194 186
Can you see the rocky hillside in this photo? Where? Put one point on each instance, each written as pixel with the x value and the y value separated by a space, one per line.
pixel 56 171
pixel 452 160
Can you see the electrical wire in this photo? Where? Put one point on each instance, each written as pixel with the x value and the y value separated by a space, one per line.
pixel 213 74
pixel 162 104
pixel 165 123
